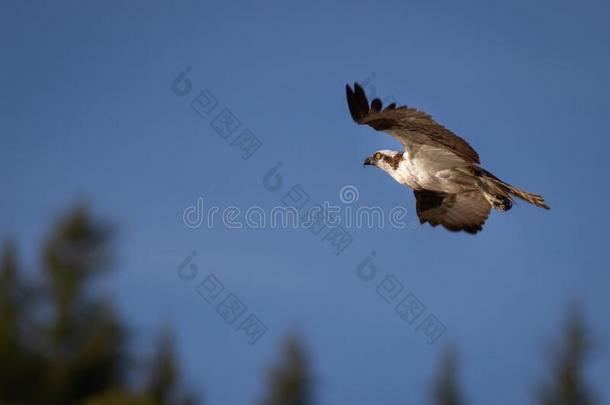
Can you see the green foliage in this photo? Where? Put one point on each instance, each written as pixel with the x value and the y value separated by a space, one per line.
pixel 22 367
pixel 567 385
pixel 62 344
pixel 290 381
pixel 163 378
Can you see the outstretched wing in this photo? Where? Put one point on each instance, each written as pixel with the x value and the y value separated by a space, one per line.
pixel 457 212
pixel 409 126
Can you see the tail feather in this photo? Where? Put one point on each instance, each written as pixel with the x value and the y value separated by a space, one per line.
pixel 531 198
pixel 494 184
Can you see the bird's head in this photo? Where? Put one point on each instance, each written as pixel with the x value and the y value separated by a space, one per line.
pixel 386 160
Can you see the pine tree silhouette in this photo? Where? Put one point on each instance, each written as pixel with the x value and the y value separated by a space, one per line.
pixel 446 389
pixel 60 343
pixel 290 381
pixel 567 385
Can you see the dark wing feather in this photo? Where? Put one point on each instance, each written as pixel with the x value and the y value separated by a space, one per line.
pixel 457 212
pixel 408 125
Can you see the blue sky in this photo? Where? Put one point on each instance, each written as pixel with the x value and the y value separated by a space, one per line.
pixel 88 113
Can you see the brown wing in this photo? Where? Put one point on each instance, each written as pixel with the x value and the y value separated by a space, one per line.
pixel 457 212
pixel 409 126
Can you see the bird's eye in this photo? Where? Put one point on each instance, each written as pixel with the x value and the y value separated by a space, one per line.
pixel 377 155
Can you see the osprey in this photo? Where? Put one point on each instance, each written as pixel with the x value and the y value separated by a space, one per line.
pixel 450 186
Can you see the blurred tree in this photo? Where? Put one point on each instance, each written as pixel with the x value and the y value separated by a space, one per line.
pixel 20 367
pixel 567 382
pixel 85 341
pixel 446 389
pixel 163 380
pixel 60 343
pixel 290 381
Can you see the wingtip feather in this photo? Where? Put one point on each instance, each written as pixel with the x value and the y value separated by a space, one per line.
pixel 357 102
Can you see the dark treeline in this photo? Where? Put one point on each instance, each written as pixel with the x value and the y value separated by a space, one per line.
pixel 61 343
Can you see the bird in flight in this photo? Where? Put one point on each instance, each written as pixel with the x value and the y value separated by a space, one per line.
pixel 451 188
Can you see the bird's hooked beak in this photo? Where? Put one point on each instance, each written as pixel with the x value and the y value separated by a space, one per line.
pixel 367 162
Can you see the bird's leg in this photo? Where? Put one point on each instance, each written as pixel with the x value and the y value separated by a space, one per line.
pixel 501 203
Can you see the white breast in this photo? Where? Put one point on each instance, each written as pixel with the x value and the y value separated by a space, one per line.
pixel 409 173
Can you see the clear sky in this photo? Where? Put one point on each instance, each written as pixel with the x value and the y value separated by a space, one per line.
pixel 88 113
